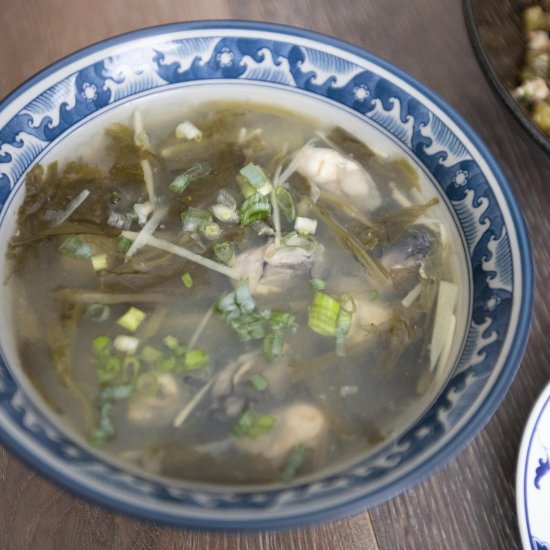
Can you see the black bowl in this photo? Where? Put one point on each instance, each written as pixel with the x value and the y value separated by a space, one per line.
pixel 494 27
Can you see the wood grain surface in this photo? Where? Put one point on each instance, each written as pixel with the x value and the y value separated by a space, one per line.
pixel 469 503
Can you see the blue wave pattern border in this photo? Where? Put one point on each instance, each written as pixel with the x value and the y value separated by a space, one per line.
pixel 104 83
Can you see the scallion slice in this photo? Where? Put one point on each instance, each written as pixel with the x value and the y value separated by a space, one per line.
pixel 194 219
pixel 211 231
pixel 305 226
pixel 131 319
pixel 150 354
pixel 296 460
pixel 182 182
pixel 317 284
pixel 97 312
pixel 225 198
pixel 224 252
pixel 255 207
pixel 286 203
pixel 123 244
pixel 187 280
pixel 187 130
pixel 252 425
pixel 100 262
pixel 252 178
pixel 74 247
pixel 196 359
pixel 307 242
pixel 224 213
pixel 126 344
pixel 261 229
pixel 323 314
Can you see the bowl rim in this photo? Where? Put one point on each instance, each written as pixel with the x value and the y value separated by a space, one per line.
pixel 463 436
pixel 488 70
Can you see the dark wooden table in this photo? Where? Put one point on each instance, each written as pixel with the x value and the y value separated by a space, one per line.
pixel 470 502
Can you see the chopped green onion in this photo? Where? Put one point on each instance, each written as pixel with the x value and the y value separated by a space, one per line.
pixel 259 381
pixel 261 229
pixel 99 262
pixel 182 182
pixel 187 280
pixel 75 248
pixel 296 460
pixel 253 425
pixel 238 310
pixel 317 284
pixel 131 319
pixel 286 203
pixel 305 226
pixel 126 344
pixel 117 393
pixel 97 312
pixel 280 319
pixel 168 364
pixel 105 429
pixel 252 178
pixel 323 314
pixel 173 344
pixel 148 384
pixel 245 422
pixel 225 198
pixel 273 345
pixel 255 207
pixel 131 364
pixel 123 244
pixel 107 367
pixel 195 218
pixel 211 231
pixel 196 359
pixel 101 345
pixel 150 354
pixel 187 130
pixel 224 213
pixel 307 242
pixel 224 252
pixel 373 295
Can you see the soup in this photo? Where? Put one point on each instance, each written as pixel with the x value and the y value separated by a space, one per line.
pixel 237 294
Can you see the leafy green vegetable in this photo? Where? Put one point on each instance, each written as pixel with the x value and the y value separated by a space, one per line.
pixel 373 267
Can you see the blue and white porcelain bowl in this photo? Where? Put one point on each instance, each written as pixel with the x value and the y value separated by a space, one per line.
pixel 294 67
